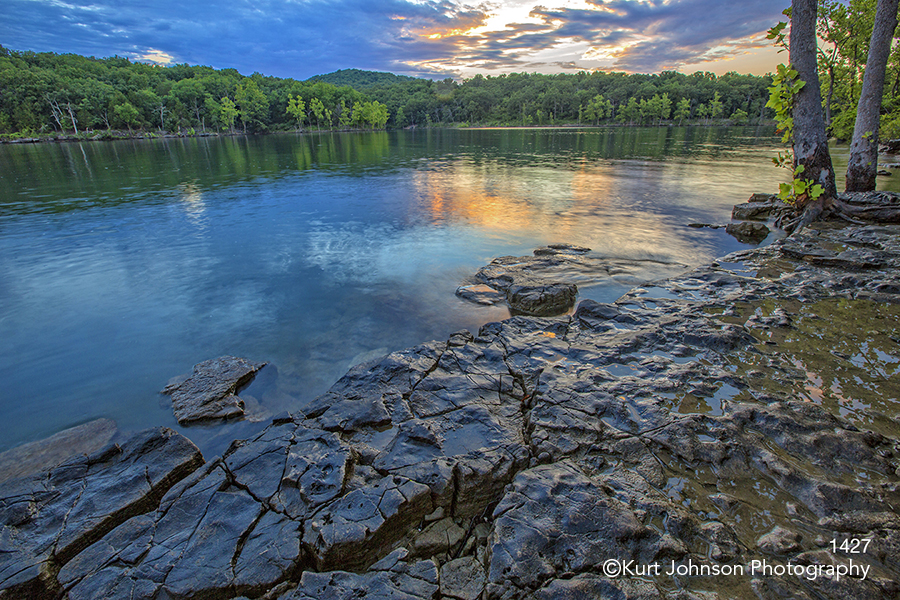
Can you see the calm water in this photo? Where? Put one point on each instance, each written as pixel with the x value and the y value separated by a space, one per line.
pixel 124 263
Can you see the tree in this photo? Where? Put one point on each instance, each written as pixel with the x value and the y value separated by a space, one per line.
pixel 126 114
pixel 229 112
pixel 863 164
pixel 296 109
pixel 812 160
pixel 252 104
pixel 318 109
pixel 682 110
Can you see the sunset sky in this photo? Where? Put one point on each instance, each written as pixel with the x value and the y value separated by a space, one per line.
pixel 425 38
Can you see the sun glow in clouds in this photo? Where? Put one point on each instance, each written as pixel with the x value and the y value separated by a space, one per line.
pixel 567 35
pixel 157 57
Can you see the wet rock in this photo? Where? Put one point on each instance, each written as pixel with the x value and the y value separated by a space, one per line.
pixel 48 519
pixel 392 578
pixel 462 579
pixel 480 294
pixel 233 527
pixel 541 300
pixel 553 249
pixel 763 198
pixel 34 457
pixel 779 541
pixel 546 284
pixel 753 210
pixel 557 520
pixel 210 392
pixel 710 418
pixel 748 232
pixel 437 539
pixel 357 529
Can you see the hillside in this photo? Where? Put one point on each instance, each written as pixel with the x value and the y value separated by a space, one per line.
pixel 359 79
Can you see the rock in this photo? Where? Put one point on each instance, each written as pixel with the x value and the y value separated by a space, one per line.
pixel 462 579
pixel 480 294
pixel 546 284
pixel 34 457
pixel 753 210
pixel 541 300
pixel 393 578
pixel 763 198
pixel 779 541
pixel 676 424
pixel 554 249
pixel 439 538
pixel 360 526
pixel 890 147
pixel 210 392
pixel 48 519
pixel 748 232
pixel 884 173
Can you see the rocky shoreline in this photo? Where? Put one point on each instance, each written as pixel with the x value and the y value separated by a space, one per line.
pixel 741 414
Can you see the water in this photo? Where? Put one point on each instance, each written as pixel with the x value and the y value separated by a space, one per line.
pixel 124 263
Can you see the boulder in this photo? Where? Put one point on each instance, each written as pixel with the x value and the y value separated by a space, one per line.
pixel 210 392
pixel 748 232
pixel 541 300
pixel 753 210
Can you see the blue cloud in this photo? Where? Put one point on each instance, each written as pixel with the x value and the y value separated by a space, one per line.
pixel 301 38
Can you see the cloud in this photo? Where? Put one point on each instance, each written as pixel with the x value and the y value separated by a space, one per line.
pixel 301 38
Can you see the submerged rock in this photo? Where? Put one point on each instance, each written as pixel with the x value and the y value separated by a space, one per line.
pixel 210 392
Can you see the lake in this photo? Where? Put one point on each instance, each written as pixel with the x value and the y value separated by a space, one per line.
pixel 124 263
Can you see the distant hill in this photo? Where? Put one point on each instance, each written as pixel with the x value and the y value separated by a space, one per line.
pixel 360 80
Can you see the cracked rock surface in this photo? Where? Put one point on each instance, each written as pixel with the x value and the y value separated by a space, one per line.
pixel 743 411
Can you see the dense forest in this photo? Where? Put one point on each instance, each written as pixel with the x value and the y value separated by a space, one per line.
pixel 52 93
pixel 46 93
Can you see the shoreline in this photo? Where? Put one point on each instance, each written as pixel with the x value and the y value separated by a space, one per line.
pixel 518 461
pixel 116 135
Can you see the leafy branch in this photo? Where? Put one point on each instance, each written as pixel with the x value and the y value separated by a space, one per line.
pixel 785 87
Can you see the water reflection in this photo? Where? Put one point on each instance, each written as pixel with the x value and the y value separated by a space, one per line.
pixel 125 263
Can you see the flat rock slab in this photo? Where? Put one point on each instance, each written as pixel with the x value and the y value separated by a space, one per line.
pixel 210 392
pixel 49 518
pixel 34 457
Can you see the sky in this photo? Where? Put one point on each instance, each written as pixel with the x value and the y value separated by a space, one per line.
pixel 422 38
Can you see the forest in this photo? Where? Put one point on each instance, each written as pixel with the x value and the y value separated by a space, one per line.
pixel 47 94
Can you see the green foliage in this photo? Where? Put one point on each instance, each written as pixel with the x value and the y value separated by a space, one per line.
pixel 785 85
pixel 799 190
pixel 296 109
pixel 360 80
pixel 50 92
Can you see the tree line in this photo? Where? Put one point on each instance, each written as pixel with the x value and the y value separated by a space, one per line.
pixel 583 98
pixel 48 92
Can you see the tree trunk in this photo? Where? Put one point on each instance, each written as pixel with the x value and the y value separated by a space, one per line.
pixel 810 141
pixel 863 165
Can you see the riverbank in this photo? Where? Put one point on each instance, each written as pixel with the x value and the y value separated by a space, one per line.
pixel 739 419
